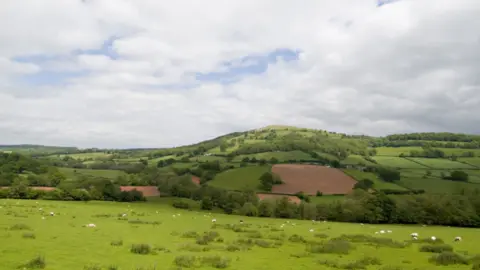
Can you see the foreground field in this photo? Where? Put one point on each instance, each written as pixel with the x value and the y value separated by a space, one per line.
pixel 27 231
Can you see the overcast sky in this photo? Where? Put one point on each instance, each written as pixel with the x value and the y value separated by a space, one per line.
pixel 154 73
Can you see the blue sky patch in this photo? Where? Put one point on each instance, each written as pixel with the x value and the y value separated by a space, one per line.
pixel 248 65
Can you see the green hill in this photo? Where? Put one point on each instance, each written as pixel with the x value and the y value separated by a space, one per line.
pixel 424 160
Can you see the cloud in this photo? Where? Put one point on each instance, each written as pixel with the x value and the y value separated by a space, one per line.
pixel 148 73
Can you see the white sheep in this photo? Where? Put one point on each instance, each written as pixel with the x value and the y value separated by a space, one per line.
pixel 376 232
pixel 382 231
pixel 311 230
pixel 415 238
pixel 91 225
pixel 52 214
pixel 389 231
pixel 433 238
pixel 414 234
pixel 124 215
pixel 458 238
pixel 214 220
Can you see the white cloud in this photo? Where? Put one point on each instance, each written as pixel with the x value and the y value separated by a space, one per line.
pixel 408 66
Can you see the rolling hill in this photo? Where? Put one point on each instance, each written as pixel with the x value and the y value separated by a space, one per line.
pixel 313 161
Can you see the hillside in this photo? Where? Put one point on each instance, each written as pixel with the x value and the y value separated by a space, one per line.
pixel 424 162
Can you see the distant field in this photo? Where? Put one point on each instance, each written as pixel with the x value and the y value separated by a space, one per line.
pixel 326 199
pixel 207 158
pixel 83 156
pixel 73 173
pixel 240 179
pixel 437 163
pixel 378 183
pixel 436 185
pixel 356 160
pixel 281 156
pixel 396 151
pixel 472 161
pixel 397 162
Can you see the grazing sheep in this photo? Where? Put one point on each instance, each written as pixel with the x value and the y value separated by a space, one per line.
pixel 415 238
pixel 382 231
pixel 458 238
pixel 311 230
pixel 214 220
pixel 389 231
pixel 124 215
pixel 414 234
pixel 52 214
pixel 433 238
pixel 91 225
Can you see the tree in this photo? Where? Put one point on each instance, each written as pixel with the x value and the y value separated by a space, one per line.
pixel 266 208
pixel 364 184
pixel 388 174
pixel 249 209
pixel 458 176
pixel 207 203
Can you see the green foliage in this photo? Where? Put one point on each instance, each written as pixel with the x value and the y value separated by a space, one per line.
pixel 35 263
pixel 364 184
pixel 436 248
pixel 448 258
pixel 142 249
pixel 458 176
pixel 184 203
pixel 331 247
pixel 388 174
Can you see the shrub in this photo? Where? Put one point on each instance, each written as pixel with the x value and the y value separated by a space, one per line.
pixel 476 266
pixel 35 263
pixel 378 241
pixel 116 243
pixel 319 193
pixel 19 227
pixel 190 234
pixel 263 243
pixel 362 263
pixel 185 261
pixel 448 258
pixel 141 249
pixel 29 235
pixel 335 246
pixel 92 267
pixel 183 203
pixel 296 239
pixel 216 261
pixel 436 248
pixel 321 235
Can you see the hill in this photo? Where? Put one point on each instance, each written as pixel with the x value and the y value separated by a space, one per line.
pixel 424 162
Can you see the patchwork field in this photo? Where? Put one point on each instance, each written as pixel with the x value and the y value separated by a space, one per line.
pixel 396 151
pixel 240 178
pixel 441 163
pixel 73 173
pixel 169 240
pixel 415 179
pixel 378 183
pixel 397 162
pixel 472 161
pixel 310 179
pixel 356 160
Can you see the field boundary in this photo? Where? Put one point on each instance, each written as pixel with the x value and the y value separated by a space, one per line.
pixel 407 158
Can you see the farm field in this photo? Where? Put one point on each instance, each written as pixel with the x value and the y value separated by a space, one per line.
pixel 378 183
pixel 281 156
pixel 83 156
pixel 207 158
pixel 73 173
pixel 397 162
pixel 472 161
pixel 240 178
pixel 310 179
pixel 356 160
pixel 65 243
pixel 414 179
pixel 437 163
pixel 396 151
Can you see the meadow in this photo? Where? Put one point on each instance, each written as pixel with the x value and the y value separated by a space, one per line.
pixel 280 156
pixel 240 178
pixel 72 173
pixel 155 236
pixel 397 162
pixel 378 183
pixel 436 163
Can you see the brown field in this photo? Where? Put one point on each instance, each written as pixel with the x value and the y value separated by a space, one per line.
pixel 147 191
pixel 268 196
pixel 312 178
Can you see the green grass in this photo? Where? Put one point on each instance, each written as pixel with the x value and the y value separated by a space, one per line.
pixel 472 161
pixel 437 163
pixel 378 183
pixel 397 162
pixel 83 156
pixel 71 246
pixel 73 173
pixel 240 178
pixel 356 160
pixel 396 151
pixel 207 158
pixel 326 199
pixel 414 179
pixel 281 156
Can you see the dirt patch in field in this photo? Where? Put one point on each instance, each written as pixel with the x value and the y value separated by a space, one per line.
pixel 312 178
pixel 147 191
pixel 267 196
pixel 196 179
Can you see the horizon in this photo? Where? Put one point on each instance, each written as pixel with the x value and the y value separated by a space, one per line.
pixel 103 74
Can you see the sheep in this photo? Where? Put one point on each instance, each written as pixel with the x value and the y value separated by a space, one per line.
pixel 376 232
pixel 389 231
pixel 214 220
pixel 458 238
pixel 433 238
pixel 382 231
pixel 414 234
pixel 91 225
pixel 52 214
pixel 124 215
pixel 415 238
pixel 311 230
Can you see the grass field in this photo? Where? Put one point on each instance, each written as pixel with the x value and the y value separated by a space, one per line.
pixel 378 183
pixel 281 156
pixel 326 199
pixel 207 158
pixel 240 178
pixel 73 173
pixel 437 163
pixel 396 151
pixel 414 179
pixel 83 156
pixel 356 160
pixel 65 243
pixel 472 161
pixel 397 162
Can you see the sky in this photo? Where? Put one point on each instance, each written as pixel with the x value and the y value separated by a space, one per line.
pixel 149 73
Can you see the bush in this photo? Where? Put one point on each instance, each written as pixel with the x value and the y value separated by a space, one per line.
pixel 448 258
pixel 436 248
pixel 263 243
pixel 216 261
pixel 319 194
pixel 116 243
pixel 141 249
pixel 362 263
pixel 190 234
pixel 19 227
pixel 332 246
pixel 29 235
pixel 183 203
pixel 296 239
pixel 35 263
pixel 249 209
pixel 378 241
pixel 185 261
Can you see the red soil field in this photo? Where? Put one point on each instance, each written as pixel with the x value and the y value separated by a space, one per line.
pixel 147 191
pixel 292 199
pixel 312 178
pixel 196 179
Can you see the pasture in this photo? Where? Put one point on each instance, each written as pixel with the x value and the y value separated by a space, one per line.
pixel 280 156
pixel 156 236
pixel 416 179
pixel 377 182
pixel 397 162
pixel 436 163
pixel 356 160
pixel 240 178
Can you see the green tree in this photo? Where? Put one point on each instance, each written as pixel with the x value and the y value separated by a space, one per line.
pixel 207 203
